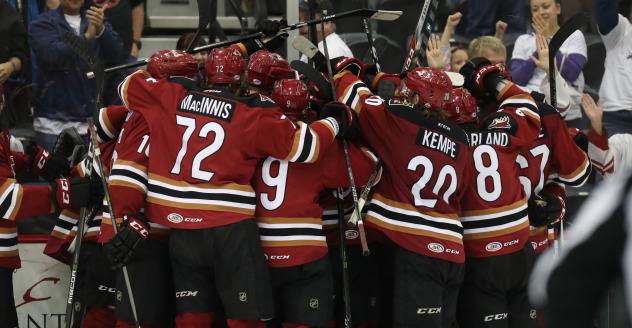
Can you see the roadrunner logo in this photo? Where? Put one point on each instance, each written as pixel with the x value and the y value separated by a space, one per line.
pixel 500 123
pixel 243 297
pixel 313 303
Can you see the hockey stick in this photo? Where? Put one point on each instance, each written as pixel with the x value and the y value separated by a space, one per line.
pixel 419 40
pixel 573 24
pixel 84 52
pixel 346 287
pixel 369 35
pixel 310 50
pixel 80 47
pixel 382 15
pixel 204 18
pixel 106 195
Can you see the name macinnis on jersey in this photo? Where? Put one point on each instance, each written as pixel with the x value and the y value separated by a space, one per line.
pixel 208 106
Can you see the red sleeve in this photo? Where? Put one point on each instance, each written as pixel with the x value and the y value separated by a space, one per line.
pixel 518 115
pixel 128 179
pixel 279 137
pixel 335 167
pixel 136 89
pixel 351 90
pixel 573 165
pixel 110 121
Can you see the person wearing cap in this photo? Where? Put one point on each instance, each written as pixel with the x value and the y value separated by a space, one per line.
pixel 335 45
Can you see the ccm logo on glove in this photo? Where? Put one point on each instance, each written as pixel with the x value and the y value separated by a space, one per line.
pixel 65 191
pixel 138 228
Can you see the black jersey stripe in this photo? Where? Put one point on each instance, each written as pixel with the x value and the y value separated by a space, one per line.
pixel 493 222
pixel 373 207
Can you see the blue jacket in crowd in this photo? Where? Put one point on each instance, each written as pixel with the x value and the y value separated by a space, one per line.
pixel 62 92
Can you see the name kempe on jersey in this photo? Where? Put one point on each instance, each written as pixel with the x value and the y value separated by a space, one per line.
pixel 288 211
pixel 495 215
pixel 417 202
pixel 550 162
pixel 205 146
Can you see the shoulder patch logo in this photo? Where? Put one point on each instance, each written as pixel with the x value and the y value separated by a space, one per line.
pixel 500 123
pixel 265 98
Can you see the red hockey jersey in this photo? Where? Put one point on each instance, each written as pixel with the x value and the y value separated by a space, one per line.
pixel 288 212
pixel 495 217
pixel 552 156
pixel 17 202
pixel 417 202
pixel 209 144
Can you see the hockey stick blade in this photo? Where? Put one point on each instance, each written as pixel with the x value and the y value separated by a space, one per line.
pixel 573 24
pixel 309 49
pixel 386 15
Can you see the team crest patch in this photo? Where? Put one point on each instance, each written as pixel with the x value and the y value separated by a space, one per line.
pixel 500 123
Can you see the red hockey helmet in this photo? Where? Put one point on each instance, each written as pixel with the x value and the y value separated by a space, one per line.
pixel 265 67
pixel 461 107
pixel 431 84
pixel 224 66
pixel 167 63
pixel 292 96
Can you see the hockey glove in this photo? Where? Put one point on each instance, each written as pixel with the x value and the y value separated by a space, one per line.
pixel 581 139
pixel 345 118
pixel 120 249
pixel 546 209
pixel 77 192
pixel 271 27
pixel 481 77
pixel 46 165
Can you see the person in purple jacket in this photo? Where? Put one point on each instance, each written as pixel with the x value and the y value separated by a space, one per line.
pixel 529 64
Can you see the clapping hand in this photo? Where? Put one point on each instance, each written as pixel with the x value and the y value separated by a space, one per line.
pixel 95 22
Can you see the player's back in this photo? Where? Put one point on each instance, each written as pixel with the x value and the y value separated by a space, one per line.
pixel 205 145
pixel 288 210
pixel 416 203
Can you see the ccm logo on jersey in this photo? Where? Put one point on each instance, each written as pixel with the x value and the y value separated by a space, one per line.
pixel 438 142
pixel 208 105
pixel 186 293
pixel 436 310
pixel 438 248
pixel 496 246
pixel 494 317
pixel 276 257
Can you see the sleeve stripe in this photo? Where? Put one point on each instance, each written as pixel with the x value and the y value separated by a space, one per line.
pixel 122 179
pixel 138 171
pixel 16 202
pixel 579 177
pixel 297 148
pixel 307 147
pixel 104 128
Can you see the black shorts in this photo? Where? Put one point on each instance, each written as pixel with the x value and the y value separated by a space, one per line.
pixel 100 279
pixel 8 315
pixel 494 293
pixel 304 293
pixel 366 285
pixel 222 264
pixel 152 285
pixel 425 291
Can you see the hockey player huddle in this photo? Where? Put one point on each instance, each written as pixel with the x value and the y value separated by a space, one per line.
pixel 224 190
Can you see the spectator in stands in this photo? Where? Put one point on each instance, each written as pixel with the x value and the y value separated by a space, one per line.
pixel 488 47
pixel 530 65
pixel 185 40
pixel 481 15
pixel 608 155
pixel 64 97
pixel 336 46
pixel 127 18
pixel 615 93
pixel 13 53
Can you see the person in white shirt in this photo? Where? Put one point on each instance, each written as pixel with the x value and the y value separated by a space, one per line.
pixel 608 155
pixel 529 63
pixel 336 46
pixel 615 92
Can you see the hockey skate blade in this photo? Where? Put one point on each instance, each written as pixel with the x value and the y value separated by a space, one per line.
pixel 303 45
pixel 387 15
